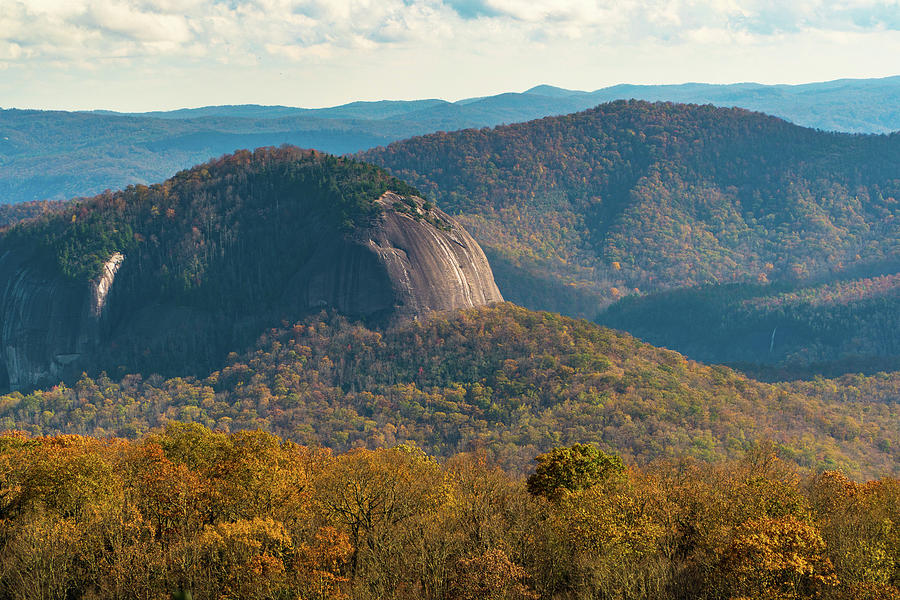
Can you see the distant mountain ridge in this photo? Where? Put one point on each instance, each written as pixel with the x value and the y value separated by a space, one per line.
pixel 381 109
pixel 59 155
pixel 846 105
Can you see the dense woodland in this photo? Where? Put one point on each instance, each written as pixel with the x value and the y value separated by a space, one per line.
pixel 653 196
pixel 504 379
pixel 185 512
pixel 830 328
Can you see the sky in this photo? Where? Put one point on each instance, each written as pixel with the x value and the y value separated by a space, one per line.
pixel 136 55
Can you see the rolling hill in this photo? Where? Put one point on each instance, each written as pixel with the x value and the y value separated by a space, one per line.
pixel 503 379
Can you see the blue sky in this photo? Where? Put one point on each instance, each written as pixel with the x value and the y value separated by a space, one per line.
pixel 159 54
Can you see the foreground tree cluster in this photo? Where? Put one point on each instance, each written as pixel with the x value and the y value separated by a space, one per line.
pixel 186 512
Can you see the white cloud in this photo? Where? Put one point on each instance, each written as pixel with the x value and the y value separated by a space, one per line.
pixel 10 51
pixel 134 24
pixel 54 29
pixel 496 37
pixel 296 52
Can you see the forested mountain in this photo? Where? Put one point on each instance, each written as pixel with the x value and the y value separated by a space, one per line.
pixel 578 211
pixel 60 155
pixel 638 195
pixel 169 278
pixel 503 379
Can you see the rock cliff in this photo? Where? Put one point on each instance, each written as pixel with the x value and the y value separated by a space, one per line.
pixel 49 323
pixel 411 260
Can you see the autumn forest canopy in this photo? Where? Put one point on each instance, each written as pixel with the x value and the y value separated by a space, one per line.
pixel 508 380
pixel 186 511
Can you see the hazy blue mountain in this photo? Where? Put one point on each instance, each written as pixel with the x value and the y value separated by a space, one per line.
pixel 552 91
pixel 59 155
pixel 849 105
pixel 382 109
pixel 249 111
pixel 495 110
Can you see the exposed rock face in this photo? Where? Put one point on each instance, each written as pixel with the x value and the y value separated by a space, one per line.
pixel 48 322
pixel 411 260
pixel 101 287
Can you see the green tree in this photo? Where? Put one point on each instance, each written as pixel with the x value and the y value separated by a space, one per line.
pixel 565 470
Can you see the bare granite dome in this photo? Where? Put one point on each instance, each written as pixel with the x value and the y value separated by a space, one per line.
pixel 408 261
pixel 411 260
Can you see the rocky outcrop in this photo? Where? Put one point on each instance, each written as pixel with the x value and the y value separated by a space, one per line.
pixel 49 323
pixel 100 288
pixel 410 260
